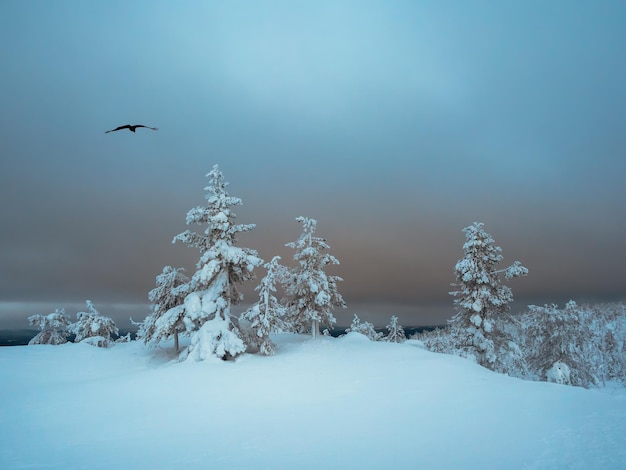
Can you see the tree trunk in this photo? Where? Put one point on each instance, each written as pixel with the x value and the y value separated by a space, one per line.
pixel 315 329
pixel 176 340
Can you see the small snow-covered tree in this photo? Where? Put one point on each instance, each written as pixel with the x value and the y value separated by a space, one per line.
pixel 221 268
pixel 54 327
pixel 93 328
pixel 267 314
pixel 166 319
pixel 365 328
pixel 311 293
pixel 481 299
pixel 395 331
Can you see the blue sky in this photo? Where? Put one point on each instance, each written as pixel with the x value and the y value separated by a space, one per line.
pixel 394 124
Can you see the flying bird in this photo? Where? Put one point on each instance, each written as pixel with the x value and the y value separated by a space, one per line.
pixel 132 128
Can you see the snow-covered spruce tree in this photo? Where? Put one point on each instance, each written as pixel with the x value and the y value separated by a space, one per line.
pixel 221 268
pixel 481 301
pixel 93 328
pixel 395 331
pixel 365 328
pixel 166 318
pixel 560 345
pixel 54 327
pixel 266 316
pixel 311 294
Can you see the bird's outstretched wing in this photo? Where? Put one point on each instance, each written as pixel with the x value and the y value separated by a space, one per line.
pixel 127 126
pixel 147 127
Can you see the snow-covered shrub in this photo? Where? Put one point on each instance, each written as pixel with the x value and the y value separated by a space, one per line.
pixel 91 324
pixel 365 328
pixel 559 373
pixel 166 319
pixel 221 267
pixel 266 316
pixel 127 338
pixel 608 322
pixel 613 359
pixel 54 327
pixel 395 331
pixel 481 301
pixel 436 340
pixel 561 336
pixel 311 294
pixel 98 341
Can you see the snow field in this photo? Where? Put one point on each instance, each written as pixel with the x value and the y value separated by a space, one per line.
pixel 325 403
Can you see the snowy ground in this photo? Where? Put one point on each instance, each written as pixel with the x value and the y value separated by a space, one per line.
pixel 329 403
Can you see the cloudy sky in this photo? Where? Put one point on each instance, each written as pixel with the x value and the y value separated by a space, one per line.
pixel 393 123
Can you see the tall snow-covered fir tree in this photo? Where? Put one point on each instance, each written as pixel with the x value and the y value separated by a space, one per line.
pixel 221 268
pixel 166 319
pixel 266 316
pixel 480 299
pixel 54 327
pixel 311 293
pixel 93 328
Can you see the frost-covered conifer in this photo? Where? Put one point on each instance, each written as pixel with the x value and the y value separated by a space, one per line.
pixel 267 314
pixel 54 327
pixel 93 327
pixel 480 299
pixel 166 319
pixel 395 331
pixel 221 268
pixel 311 293
pixel 365 328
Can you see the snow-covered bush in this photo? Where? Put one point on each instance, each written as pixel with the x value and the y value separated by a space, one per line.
pixel 221 268
pixel 395 331
pixel 568 337
pixel 127 338
pixel 482 301
pixel 365 328
pixel 54 327
pixel 311 294
pixel 577 345
pixel 436 340
pixel 91 324
pixel 608 323
pixel 166 319
pixel 266 316
pixel 559 373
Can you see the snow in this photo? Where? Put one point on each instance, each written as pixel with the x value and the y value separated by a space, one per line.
pixel 214 338
pixel 559 373
pixel 325 403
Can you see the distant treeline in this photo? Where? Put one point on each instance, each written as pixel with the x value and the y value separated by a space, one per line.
pixel 23 336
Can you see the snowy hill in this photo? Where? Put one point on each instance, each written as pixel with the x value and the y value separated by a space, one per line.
pixel 326 403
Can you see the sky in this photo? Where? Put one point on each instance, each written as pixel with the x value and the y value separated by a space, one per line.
pixel 393 124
